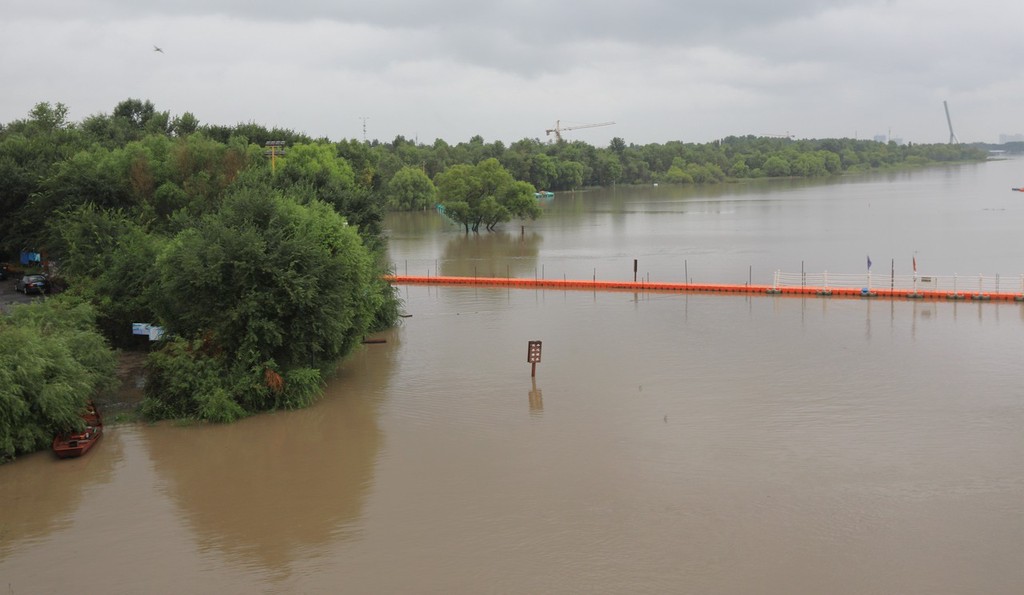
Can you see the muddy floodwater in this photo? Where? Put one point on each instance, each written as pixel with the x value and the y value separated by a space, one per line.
pixel 669 443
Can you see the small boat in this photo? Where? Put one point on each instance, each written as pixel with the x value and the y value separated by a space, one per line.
pixel 75 445
pixel 544 194
pixel 1018 189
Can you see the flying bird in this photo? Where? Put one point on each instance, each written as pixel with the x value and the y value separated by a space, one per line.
pixel 157 49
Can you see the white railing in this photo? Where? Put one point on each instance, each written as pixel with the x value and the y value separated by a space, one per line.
pixel 955 284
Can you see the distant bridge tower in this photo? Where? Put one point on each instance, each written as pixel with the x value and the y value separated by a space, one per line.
pixel 952 137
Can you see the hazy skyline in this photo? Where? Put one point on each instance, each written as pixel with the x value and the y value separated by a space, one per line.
pixel 451 69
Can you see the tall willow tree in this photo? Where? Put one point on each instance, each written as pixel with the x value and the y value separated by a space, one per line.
pixel 51 363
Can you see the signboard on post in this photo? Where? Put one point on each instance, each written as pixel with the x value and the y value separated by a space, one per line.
pixel 155 333
pixel 533 356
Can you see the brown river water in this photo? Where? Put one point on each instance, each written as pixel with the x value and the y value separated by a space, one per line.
pixel 669 443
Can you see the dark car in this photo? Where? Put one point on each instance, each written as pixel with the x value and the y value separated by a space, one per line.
pixel 3 273
pixel 32 284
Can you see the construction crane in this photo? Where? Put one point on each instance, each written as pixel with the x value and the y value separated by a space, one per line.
pixel 559 129
pixel 952 137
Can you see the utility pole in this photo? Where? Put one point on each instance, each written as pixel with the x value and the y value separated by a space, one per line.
pixel 275 148
pixel 364 119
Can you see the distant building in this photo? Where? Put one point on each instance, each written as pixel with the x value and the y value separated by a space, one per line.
pixel 885 138
pixel 1010 138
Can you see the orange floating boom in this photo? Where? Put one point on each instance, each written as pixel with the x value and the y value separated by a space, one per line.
pixel 583 284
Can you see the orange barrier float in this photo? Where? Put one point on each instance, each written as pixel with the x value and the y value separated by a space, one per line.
pixel 634 286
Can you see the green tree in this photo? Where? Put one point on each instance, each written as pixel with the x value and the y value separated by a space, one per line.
pixel 808 165
pixel 319 166
pixel 543 171
pixel 677 175
pixel 607 169
pixel 775 167
pixel 30 150
pixel 707 173
pixel 410 190
pixel 739 168
pixel 184 124
pixel 51 363
pixel 569 175
pixel 265 288
pixel 110 260
pixel 363 160
pixel 484 195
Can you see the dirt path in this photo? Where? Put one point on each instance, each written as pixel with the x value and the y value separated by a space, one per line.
pixel 131 381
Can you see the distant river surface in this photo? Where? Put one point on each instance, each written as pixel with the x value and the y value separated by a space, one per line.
pixel 669 443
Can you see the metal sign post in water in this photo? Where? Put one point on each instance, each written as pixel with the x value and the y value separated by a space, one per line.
pixel 533 356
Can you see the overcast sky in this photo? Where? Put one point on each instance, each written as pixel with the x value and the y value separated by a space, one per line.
pixel 683 70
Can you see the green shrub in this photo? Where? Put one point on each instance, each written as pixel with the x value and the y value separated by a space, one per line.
pixel 52 362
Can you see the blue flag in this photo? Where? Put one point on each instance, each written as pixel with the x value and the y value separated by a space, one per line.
pixel 869 262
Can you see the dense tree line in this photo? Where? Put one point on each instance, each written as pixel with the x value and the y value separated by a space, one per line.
pixel 262 274
pixel 265 271
pixel 560 166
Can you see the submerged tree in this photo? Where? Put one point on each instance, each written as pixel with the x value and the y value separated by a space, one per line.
pixel 485 195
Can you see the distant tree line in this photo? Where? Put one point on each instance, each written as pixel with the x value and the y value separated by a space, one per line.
pixel 46 160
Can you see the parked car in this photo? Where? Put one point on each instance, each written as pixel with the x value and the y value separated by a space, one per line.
pixel 33 284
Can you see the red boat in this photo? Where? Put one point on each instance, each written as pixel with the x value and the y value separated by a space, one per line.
pixel 75 445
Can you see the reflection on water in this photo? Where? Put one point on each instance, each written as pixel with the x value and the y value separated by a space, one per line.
pixel 481 255
pixel 275 488
pixel 210 504
pixel 40 494
pixel 265 492
pixel 536 399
